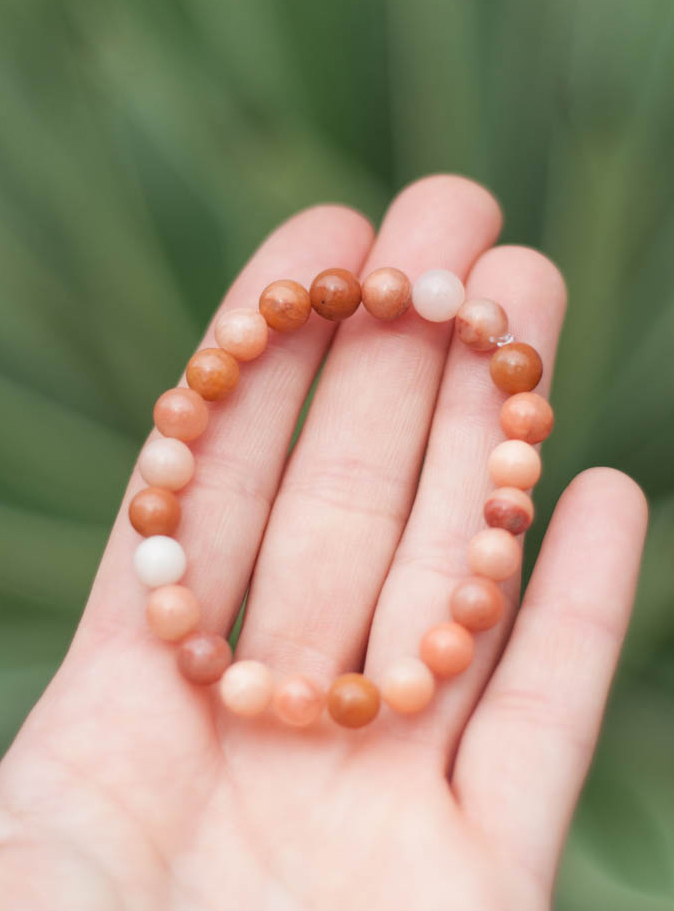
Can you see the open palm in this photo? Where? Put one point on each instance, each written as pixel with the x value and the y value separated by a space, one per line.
pixel 130 789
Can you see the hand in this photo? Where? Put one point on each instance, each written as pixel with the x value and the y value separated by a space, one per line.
pixel 130 789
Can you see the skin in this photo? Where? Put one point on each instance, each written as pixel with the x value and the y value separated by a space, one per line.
pixel 128 789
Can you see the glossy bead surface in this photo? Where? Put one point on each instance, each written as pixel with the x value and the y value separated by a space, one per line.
pixel 172 612
pixel 516 367
pixel 353 700
pixel 246 688
pixel 181 413
pixel 212 373
pixel 159 560
pixel 509 508
pixel 527 416
pixel 298 701
pixel 447 649
pixel 480 323
pixel 241 332
pixel 167 463
pixel 514 463
pixel 477 603
pixel 285 305
pixel 494 553
pixel 386 293
pixel 335 294
pixel 203 657
pixel 154 511
pixel 437 295
pixel 407 685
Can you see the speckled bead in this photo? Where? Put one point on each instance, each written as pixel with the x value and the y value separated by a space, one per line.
pixel 509 508
pixel 213 373
pixel 285 305
pixel 181 413
pixel 386 293
pixel 335 294
pixel 480 323
pixel 527 416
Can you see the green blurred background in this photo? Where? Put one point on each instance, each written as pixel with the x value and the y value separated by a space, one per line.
pixel 147 146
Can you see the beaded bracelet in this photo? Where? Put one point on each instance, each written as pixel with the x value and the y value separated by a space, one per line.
pixel 247 687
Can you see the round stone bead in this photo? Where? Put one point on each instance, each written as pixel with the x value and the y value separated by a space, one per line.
pixel 477 603
pixel 285 305
pixel 242 333
pixel 509 508
pixel 514 463
pixel 298 701
pixel 386 293
pixel 166 463
pixel 247 687
pixel 437 295
pixel 335 294
pixel 181 413
pixel 353 700
pixel 527 416
pixel 407 685
pixel 203 657
pixel 447 649
pixel 212 373
pixel 480 323
pixel 154 511
pixel 159 560
pixel 172 612
pixel 516 367
pixel 494 553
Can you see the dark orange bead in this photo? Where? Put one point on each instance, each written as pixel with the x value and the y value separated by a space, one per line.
pixel 335 294
pixel 212 373
pixel 204 657
pixel 154 511
pixel 285 305
pixel 516 367
pixel 353 700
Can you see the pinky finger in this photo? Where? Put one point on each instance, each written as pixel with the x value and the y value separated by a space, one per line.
pixel 526 751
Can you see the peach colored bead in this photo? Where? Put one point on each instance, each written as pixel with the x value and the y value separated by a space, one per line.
pixel 480 323
pixel 166 463
pixel 298 701
pixel 285 305
pixel 353 700
pixel 181 413
pixel 154 511
pixel 494 553
pixel 203 657
pixel 477 603
pixel 509 508
pixel 516 367
pixel 172 612
pixel 335 294
pixel 242 333
pixel 447 649
pixel 247 687
pixel 407 685
pixel 514 463
pixel 527 416
pixel 387 293
pixel 212 373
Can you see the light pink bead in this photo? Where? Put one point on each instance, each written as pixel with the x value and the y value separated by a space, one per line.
pixel 181 413
pixel 172 612
pixel 298 701
pixel 514 463
pixel 480 323
pixel 166 463
pixel 247 687
pixel 242 333
pixel 437 295
pixel 407 685
pixel 494 553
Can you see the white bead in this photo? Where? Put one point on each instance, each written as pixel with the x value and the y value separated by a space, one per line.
pixel 437 295
pixel 159 560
